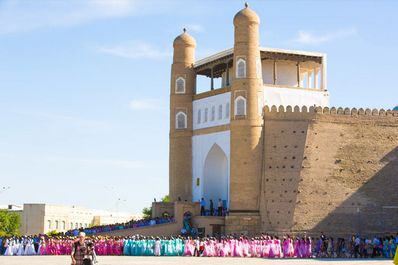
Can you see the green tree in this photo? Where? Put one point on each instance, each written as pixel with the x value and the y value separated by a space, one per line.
pixel 10 223
pixel 147 211
pixel 166 198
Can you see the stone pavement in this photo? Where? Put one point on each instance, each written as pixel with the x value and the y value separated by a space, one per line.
pixel 65 260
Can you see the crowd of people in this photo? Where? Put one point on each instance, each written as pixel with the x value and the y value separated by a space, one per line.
pixel 120 226
pixel 262 246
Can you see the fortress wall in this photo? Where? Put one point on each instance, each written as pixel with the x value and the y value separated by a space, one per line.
pixel 345 175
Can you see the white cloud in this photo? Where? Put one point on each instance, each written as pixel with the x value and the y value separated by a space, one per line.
pixel 136 50
pixel 194 28
pixel 19 16
pixel 146 104
pixel 68 120
pixel 306 37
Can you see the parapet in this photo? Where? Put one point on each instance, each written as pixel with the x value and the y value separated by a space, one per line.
pixel 311 113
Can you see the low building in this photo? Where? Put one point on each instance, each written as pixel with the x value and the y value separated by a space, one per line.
pixel 40 218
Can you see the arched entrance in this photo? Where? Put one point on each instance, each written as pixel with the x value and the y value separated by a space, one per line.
pixel 215 176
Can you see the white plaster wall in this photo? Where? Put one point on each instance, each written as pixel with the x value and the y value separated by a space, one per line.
pixel 209 102
pixel 286 72
pixel 201 145
pixel 295 96
pixel 268 71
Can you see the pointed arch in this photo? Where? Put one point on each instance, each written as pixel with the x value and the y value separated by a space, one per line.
pixel 180 85
pixel 215 175
pixel 240 106
pixel 241 68
pixel 181 120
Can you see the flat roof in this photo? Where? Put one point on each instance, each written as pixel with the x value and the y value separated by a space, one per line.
pixel 229 52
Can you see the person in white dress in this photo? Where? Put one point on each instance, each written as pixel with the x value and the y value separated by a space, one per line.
pixel 8 247
pixel 156 247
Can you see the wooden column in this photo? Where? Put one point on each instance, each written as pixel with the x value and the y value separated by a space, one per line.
pixel 298 74
pixel 212 81
pixel 227 76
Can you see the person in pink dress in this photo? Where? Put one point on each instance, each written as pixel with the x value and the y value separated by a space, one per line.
pixel 297 248
pixel 277 244
pixel 285 247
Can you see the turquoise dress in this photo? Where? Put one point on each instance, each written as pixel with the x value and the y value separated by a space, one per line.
pixel 149 247
pixel 163 247
pixel 126 247
pixel 133 247
pixel 179 247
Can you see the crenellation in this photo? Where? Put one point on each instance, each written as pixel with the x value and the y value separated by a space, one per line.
pixel 295 165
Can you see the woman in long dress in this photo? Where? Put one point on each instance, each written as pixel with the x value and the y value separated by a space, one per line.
pixel 8 246
pixel 156 247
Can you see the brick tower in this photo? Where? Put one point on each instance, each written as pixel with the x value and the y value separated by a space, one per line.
pixel 246 125
pixel 182 89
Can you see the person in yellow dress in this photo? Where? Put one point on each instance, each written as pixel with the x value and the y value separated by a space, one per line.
pixel 396 257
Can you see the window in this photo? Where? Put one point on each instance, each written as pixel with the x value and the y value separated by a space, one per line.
pixel 206 113
pixel 81 225
pixel 63 225
pixel 240 106
pixel 56 225
pixel 220 112
pixel 71 226
pixel 85 225
pixel 76 225
pixel 181 120
pixel 180 85
pixel 49 224
pixel 227 111
pixel 213 113
pixel 241 68
pixel 199 116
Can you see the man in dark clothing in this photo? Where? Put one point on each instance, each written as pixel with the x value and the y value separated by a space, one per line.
pixel 211 208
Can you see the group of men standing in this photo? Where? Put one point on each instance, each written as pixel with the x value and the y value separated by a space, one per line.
pixel 211 208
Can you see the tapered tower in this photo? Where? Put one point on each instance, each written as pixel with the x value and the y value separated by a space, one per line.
pixel 182 89
pixel 246 121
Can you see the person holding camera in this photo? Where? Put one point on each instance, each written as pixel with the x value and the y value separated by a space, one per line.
pixel 83 252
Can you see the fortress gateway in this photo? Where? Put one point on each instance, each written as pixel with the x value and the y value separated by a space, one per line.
pixel 269 146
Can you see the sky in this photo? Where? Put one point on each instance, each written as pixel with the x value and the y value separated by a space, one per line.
pixel 84 85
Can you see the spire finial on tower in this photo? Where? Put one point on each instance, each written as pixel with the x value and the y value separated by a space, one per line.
pixel 184 30
pixel 246 4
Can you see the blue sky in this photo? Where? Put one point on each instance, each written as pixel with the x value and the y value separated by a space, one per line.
pixel 84 85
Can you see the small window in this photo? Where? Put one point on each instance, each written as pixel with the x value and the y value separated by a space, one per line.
pixel 71 226
pixel 56 225
pixel 181 120
pixel 241 68
pixel 49 224
pixel 180 85
pixel 63 225
pixel 199 116
pixel 206 114
pixel 240 106
pixel 76 226
pixel 81 225
pixel 213 113
pixel 227 110
pixel 220 112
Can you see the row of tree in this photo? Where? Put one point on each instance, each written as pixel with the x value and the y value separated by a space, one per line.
pixel 10 222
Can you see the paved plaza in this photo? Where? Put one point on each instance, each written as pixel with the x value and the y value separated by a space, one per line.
pixel 65 260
